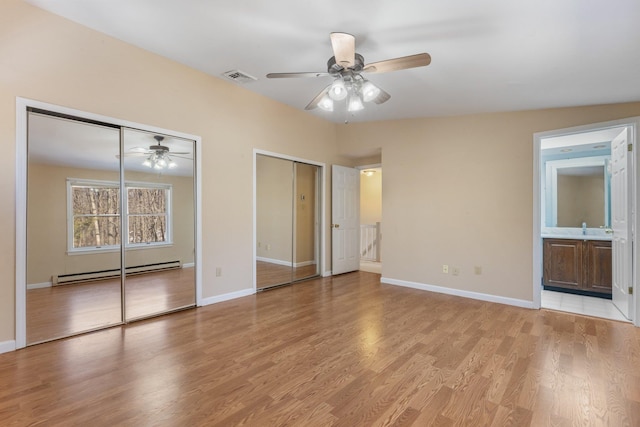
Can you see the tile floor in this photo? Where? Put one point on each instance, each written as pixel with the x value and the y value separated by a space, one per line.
pixel 578 304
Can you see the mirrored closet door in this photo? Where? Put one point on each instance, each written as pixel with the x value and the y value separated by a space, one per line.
pixel 160 248
pixel 287 221
pixel 90 193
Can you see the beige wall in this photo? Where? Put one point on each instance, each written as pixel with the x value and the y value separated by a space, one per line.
pixel 459 191
pixel 580 199
pixel 371 198
pixel 47 227
pixel 51 59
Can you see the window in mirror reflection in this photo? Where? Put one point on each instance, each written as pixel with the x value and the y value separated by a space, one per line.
pixel 94 214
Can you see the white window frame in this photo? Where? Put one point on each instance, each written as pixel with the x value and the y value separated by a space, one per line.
pixel 71 182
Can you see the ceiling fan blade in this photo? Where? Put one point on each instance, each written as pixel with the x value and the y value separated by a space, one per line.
pixel 181 157
pixel 135 154
pixel 412 61
pixel 288 75
pixel 314 102
pixel 344 49
pixel 138 149
pixel 178 152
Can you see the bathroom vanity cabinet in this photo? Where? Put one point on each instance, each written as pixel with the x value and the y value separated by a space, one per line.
pixel 577 264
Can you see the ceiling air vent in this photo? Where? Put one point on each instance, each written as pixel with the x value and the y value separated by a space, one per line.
pixel 239 76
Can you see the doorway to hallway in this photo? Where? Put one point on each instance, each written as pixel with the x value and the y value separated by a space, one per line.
pixel 371 218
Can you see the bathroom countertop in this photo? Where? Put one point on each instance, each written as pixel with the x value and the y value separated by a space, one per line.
pixel 577 236
pixel 575 233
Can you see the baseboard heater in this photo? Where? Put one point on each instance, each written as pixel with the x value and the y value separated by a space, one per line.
pixel 72 278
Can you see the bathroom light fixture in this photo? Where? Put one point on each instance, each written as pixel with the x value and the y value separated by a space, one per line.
pixel 368 172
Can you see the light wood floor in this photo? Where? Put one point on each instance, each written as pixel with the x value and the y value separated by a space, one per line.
pixel 344 351
pixel 60 311
pixel 269 274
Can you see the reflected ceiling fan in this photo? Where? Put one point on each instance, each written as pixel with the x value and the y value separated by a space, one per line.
pixel 158 156
pixel 346 67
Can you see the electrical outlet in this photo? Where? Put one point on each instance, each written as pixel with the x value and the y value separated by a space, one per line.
pixel 268 247
pixel 477 269
pixel 455 271
pixel 218 271
pixel 259 244
pixel 445 268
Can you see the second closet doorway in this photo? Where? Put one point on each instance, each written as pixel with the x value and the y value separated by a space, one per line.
pixel 288 206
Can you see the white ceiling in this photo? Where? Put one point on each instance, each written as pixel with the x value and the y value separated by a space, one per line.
pixel 62 142
pixel 490 55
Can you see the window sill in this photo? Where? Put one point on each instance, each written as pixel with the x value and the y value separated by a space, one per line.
pixel 110 249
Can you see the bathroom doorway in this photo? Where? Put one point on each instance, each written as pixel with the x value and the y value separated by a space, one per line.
pixel 584 197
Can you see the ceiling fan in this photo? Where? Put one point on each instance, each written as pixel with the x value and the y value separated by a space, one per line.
pixel 157 155
pixel 346 66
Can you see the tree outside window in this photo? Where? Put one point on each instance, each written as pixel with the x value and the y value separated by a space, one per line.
pixel 95 214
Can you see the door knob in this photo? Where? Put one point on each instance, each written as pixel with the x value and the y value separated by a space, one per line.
pixel 336 225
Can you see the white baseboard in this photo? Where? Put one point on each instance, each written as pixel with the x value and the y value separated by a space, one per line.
pixel 326 273
pixel 274 261
pixel 188 265
pixel 285 263
pixel 227 297
pixel 39 285
pixel 304 263
pixel 459 292
pixel 7 346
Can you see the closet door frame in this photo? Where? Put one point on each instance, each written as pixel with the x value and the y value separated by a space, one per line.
pixel 320 194
pixel 22 107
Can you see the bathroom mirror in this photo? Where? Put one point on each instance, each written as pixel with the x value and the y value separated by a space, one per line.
pixel 578 193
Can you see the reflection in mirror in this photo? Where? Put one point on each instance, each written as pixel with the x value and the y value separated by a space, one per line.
pixel 73 256
pixel 274 221
pixel 577 192
pixel 287 221
pixel 160 223
pixel 581 197
pixel 306 237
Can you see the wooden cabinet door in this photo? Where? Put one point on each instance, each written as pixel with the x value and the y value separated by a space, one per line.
pixel 598 277
pixel 563 260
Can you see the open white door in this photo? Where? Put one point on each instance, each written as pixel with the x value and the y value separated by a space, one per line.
pixel 345 219
pixel 621 223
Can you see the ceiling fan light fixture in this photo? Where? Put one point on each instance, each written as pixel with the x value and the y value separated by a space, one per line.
pixel 338 90
pixel 172 164
pixel 369 91
pixel 355 103
pixel 326 103
pixel 147 162
pixel 162 162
